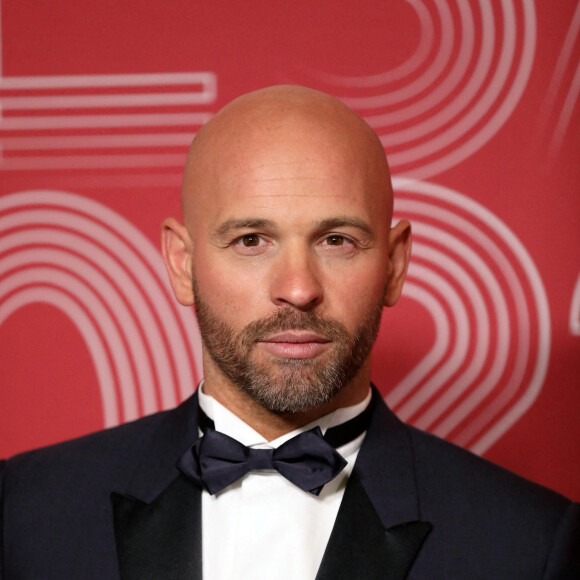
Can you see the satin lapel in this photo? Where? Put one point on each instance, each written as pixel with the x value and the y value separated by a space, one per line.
pixel 385 467
pixel 378 532
pixel 160 539
pixel 360 547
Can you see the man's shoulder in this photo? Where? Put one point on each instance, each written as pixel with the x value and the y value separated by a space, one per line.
pixel 445 471
pixel 109 454
pixel 442 472
pixel 478 507
pixel 119 437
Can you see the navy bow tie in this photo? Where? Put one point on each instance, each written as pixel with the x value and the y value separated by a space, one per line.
pixel 308 460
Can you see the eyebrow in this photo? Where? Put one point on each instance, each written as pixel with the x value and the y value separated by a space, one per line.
pixel 342 221
pixel 244 223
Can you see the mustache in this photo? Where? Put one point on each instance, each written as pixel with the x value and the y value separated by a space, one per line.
pixel 290 319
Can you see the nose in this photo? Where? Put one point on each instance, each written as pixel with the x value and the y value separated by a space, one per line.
pixel 296 280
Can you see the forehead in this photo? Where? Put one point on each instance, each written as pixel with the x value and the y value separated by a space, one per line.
pixel 288 173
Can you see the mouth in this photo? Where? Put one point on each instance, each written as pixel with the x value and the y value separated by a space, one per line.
pixel 295 344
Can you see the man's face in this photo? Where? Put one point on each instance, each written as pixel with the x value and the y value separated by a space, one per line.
pixel 289 266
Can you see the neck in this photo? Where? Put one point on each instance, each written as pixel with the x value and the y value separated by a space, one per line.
pixel 273 425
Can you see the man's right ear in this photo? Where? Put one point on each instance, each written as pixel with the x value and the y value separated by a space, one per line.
pixel 177 248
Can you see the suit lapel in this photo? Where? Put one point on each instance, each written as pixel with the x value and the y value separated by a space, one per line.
pixel 160 539
pixel 378 532
pixel 360 547
pixel 157 517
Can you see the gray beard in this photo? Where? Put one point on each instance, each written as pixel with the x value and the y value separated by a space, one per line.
pixel 288 385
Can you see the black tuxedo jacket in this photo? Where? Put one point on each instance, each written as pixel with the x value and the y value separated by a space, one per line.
pixel 113 505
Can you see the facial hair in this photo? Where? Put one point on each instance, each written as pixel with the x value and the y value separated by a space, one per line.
pixel 288 385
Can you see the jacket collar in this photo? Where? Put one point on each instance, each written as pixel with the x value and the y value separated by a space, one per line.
pixel 156 468
pixel 385 467
pixel 378 531
pixel 378 525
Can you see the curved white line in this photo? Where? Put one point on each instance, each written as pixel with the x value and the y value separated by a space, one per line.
pixel 514 382
pixel 505 109
pixel 34 275
pixel 534 385
pixel 574 323
pixel 478 265
pixel 522 318
pixel 132 291
pixel 566 113
pixel 86 329
pixel 419 56
pixel 459 103
pixel 434 97
pixel 181 323
pixel 481 332
pixel 436 353
pixel 123 299
pixel 421 84
pixel 519 300
pixel 561 65
pixel 179 327
pixel 459 347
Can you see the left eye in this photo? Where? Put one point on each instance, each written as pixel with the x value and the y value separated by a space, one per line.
pixel 335 240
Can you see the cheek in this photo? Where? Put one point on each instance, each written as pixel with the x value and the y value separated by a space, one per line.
pixel 360 299
pixel 354 295
pixel 232 293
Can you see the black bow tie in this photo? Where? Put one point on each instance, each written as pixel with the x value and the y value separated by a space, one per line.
pixel 308 460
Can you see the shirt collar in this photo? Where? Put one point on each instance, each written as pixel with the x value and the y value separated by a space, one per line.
pixel 227 422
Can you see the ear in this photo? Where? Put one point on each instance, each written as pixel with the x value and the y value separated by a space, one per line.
pixel 176 247
pixel 399 255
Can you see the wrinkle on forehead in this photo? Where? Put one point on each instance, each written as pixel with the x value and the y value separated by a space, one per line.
pixel 281 126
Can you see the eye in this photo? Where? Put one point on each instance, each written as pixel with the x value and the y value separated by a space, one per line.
pixel 250 240
pixel 335 240
pixel 250 244
pixel 338 245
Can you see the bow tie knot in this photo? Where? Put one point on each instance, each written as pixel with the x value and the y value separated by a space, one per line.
pixel 217 460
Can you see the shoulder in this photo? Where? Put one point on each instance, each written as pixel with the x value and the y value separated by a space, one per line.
pixel 444 468
pixel 105 455
pixel 473 502
pixel 486 521
pixel 444 474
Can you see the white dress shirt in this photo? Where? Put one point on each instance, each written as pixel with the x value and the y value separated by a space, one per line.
pixel 263 526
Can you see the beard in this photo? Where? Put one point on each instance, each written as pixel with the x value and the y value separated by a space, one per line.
pixel 288 385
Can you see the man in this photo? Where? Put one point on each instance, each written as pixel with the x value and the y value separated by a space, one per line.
pixel 286 463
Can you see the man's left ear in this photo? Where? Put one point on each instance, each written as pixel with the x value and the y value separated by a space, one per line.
pixel 399 255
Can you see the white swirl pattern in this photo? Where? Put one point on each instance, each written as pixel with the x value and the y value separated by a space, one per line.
pixel 98 269
pixel 477 380
pixel 464 94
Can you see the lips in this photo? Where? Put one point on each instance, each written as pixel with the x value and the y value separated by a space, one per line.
pixel 295 344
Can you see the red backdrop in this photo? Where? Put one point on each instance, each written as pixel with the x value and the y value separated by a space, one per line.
pixel 476 104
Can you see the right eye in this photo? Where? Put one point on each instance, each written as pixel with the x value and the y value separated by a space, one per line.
pixel 250 244
pixel 249 240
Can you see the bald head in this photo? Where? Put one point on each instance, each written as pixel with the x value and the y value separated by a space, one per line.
pixel 288 254
pixel 281 120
